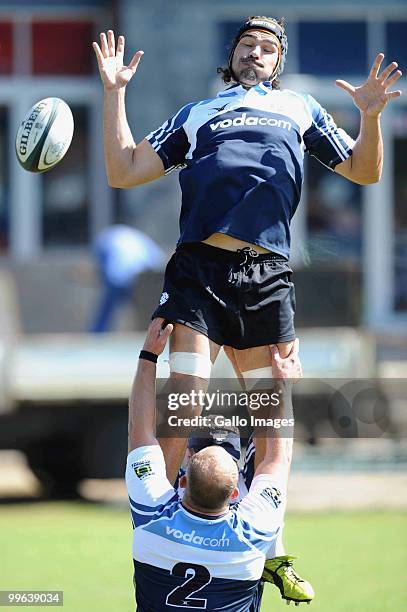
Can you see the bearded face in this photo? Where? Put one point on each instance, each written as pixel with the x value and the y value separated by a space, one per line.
pixel 256 57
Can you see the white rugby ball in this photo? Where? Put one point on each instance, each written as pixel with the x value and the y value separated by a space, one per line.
pixel 44 135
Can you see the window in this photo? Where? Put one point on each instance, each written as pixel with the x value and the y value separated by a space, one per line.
pixel 332 48
pixel 396 35
pixel 66 191
pixel 400 211
pixel 62 47
pixel 4 216
pixel 6 49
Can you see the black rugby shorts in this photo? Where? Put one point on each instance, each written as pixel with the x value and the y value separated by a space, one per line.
pixel 238 298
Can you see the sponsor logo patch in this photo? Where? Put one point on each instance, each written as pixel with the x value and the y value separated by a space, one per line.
pixel 142 469
pixel 220 109
pixel 243 119
pixel 164 297
pixel 194 538
pixel 272 495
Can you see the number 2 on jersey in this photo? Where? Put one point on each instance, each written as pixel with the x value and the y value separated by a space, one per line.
pixel 181 596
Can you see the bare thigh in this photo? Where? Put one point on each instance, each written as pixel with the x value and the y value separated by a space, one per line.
pixel 256 357
pixel 184 338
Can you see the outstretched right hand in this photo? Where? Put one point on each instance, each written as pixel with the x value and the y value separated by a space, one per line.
pixel 113 73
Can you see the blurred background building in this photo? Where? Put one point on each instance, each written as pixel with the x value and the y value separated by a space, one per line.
pixel 352 240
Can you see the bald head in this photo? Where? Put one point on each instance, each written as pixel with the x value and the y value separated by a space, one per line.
pixel 211 479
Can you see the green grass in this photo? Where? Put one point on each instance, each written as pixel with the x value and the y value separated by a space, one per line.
pixel 356 561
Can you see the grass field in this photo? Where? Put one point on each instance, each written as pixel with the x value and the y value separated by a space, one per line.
pixel 356 561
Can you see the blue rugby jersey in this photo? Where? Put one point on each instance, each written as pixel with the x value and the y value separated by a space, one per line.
pixel 245 478
pixel 242 158
pixel 184 560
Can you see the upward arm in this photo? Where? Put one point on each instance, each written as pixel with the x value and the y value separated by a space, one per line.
pixel 366 162
pixel 142 407
pixel 274 452
pixel 147 485
pixel 127 164
pixel 264 505
pixel 142 397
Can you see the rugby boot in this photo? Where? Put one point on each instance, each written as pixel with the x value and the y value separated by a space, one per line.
pixel 280 572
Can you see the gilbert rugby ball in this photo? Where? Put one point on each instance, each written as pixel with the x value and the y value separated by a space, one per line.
pixel 44 135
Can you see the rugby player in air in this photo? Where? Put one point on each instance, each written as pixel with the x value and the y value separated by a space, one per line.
pixel 241 159
pixel 200 552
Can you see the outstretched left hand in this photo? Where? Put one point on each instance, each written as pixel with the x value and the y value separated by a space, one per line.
pixel 372 96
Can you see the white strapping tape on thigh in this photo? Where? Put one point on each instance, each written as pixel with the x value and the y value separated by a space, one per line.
pixel 252 377
pixel 193 364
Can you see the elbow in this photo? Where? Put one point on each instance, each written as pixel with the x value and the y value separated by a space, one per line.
pixel 370 176
pixel 118 181
pixel 376 177
pixel 113 178
pixel 368 180
pixel 120 171
pixel 113 182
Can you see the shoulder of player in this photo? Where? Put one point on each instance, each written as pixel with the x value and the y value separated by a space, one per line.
pixel 310 106
pixel 261 486
pixel 290 99
pixel 200 103
pixel 190 110
pixel 260 510
pixel 308 101
pixel 301 96
pixel 146 461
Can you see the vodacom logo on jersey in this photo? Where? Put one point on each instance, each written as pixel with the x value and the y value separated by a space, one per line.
pixel 194 538
pixel 243 119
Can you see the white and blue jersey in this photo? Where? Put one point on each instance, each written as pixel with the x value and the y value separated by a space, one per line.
pixel 242 158
pixel 185 560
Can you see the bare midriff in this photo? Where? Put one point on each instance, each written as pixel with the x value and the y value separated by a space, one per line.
pixel 223 241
